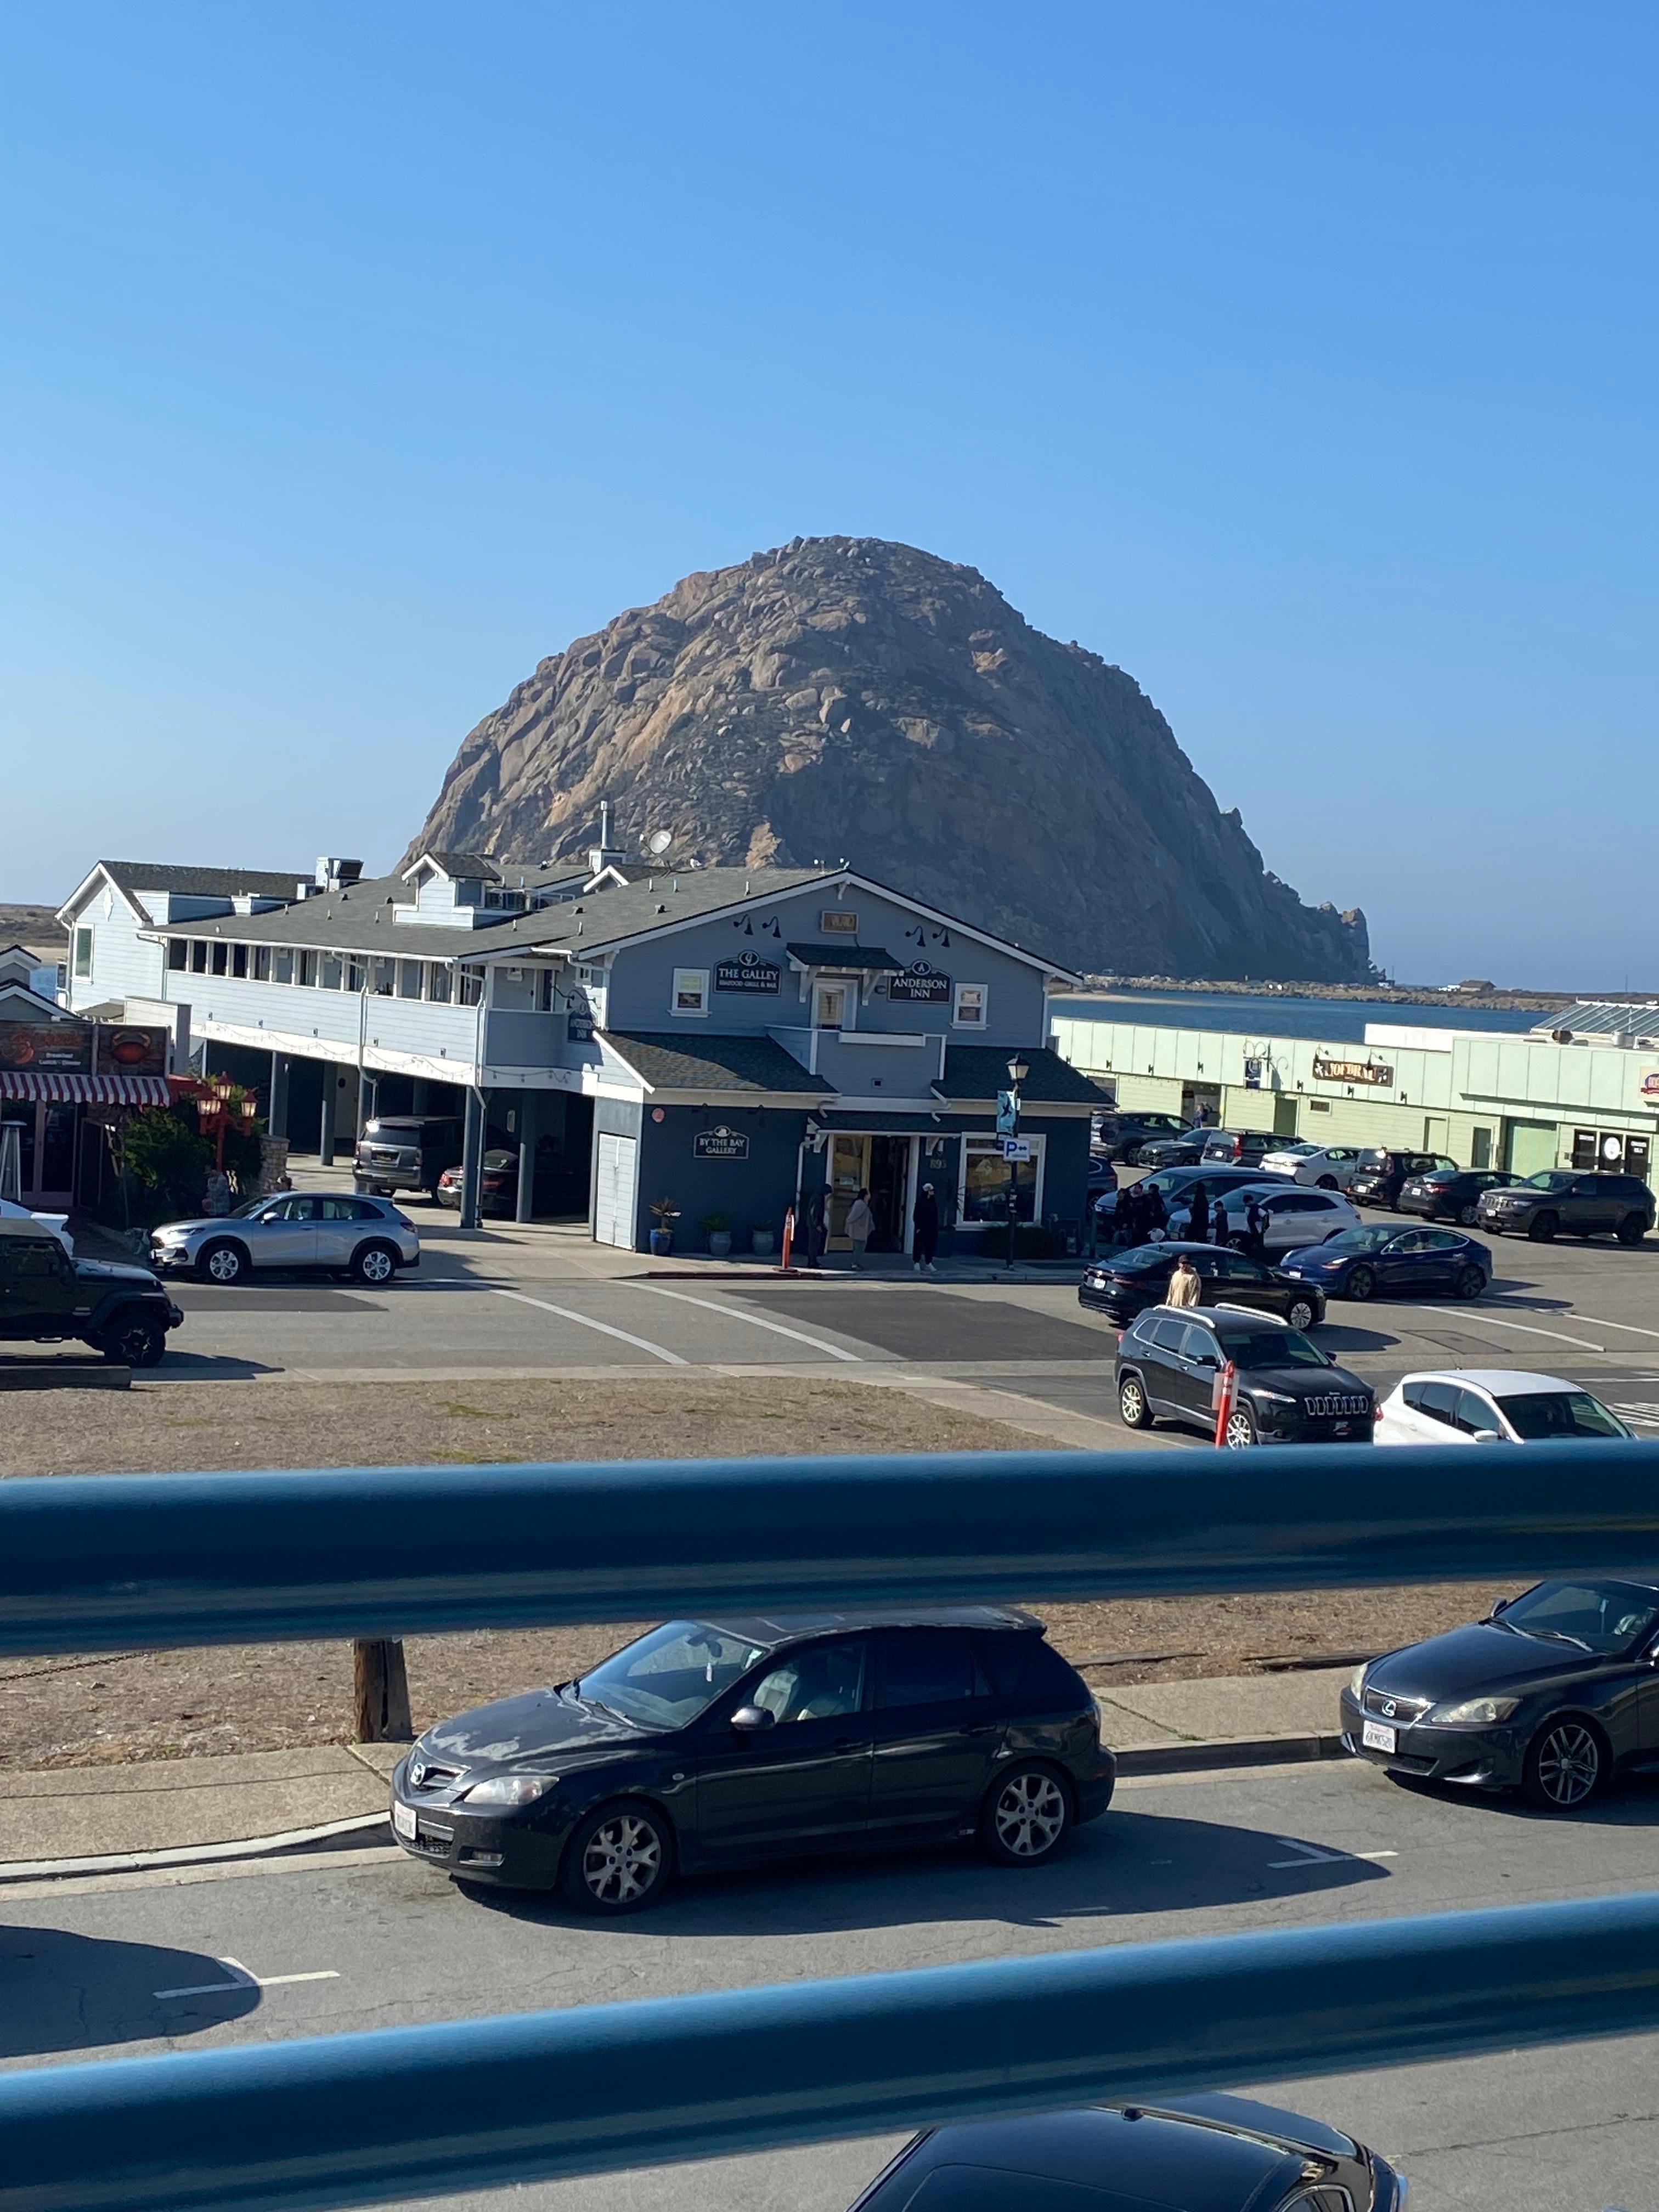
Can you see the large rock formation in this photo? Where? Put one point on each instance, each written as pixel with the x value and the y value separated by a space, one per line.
pixel 844 697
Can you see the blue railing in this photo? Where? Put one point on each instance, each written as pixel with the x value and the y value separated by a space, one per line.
pixel 87 1562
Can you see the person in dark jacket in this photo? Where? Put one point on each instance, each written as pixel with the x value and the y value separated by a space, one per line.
pixel 1130 1218
pixel 1156 1214
pixel 923 1222
pixel 816 1237
pixel 1198 1216
pixel 1256 1225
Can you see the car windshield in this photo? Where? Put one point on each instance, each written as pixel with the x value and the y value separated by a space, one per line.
pixel 667 1678
pixel 249 1207
pixel 1549 1179
pixel 1609 1618
pixel 1272 1347
pixel 1440 1175
pixel 1359 1240
pixel 1541 1413
pixel 1296 1145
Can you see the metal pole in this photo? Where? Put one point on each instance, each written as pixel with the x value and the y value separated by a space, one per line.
pixel 325 1130
pixel 529 1116
pixel 471 1157
pixel 1014 1179
pixel 277 1121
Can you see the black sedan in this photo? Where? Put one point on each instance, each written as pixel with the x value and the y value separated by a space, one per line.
pixel 1205 2154
pixel 1450 1193
pixel 713 1743
pixel 1284 1390
pixel 1390 1263
pixel 1183 1150
pixel 1552 1694
pixel 1125 1284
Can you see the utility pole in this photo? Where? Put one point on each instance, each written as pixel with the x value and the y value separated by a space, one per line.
pixel 1008 1130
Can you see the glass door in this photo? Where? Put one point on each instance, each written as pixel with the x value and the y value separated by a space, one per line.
pixel 850 1173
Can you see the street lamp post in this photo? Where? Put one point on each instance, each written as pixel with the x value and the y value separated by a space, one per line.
pixel 1008 1115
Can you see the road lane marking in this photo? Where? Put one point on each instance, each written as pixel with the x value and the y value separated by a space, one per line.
pixel 1310 1855
pixel 1472 1313
pixel 755 1320
pixel 241 1979
pixel 585 1320
pixel 1595 1321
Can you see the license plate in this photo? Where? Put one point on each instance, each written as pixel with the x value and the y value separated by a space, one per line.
pixel 403 1816
pixel 1344 1428
pixel 1375 1737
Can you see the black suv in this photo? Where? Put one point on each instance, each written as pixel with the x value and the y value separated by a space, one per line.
pixel 1123 1135
pixel 1125 1284
pixel 1380 1182
pixel 1238 1148
pixel 1286 1391
pixel 1583 1205
pixel 46 1297
pixel 406 1152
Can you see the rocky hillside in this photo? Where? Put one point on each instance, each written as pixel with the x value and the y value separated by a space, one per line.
pixel 844 697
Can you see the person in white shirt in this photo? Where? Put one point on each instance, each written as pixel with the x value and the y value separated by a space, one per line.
pixel 860 1225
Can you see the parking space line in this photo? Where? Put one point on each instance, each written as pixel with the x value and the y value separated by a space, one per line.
pixel 585 1320
pixel 755 1320
pixel 1595 1321
pixel 241 1979
pixel 1472 1313
pixel 1310 1855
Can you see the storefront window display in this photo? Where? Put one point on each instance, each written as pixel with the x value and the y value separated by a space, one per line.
pixel 985 1181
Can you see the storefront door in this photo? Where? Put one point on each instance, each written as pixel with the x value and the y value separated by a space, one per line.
pixel 881 1165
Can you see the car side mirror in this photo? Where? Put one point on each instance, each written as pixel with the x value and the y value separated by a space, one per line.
pixel 1499 1605
pixel 748 1719
pixel 1488 1437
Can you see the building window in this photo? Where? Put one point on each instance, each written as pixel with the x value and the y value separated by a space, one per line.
pixel 84 952
pixel 385 978
pixel 1319 1105
pixel 307 970
pixel 691 993
pixel 409 979
pixel 356 972
pixel 470 991
pixel 544 990
pixel 177 953
pixel 239 959
pixel 968 1011
pixel 283 963
pixel 198 956
pixel 437 985
pixel 509 901
pixel 832 1006
pixel 221 963
pixel 262 963
pixel 333 971
pixel 984 1194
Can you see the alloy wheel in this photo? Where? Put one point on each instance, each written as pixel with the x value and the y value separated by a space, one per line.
pixel 1361 1283
pixel 1468 1215
pixel 1301 1314
pixel 1131 1403
pixel 1031 1814
pixel 624 1859
pixel 224 1265
pixel 1240 1431
pixel 1568 1763
pixel 376 1265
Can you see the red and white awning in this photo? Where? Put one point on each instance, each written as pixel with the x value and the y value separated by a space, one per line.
pixel 93 1089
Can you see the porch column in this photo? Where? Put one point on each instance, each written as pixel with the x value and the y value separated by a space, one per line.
pixel 471 1159
pixel 529 1116
pixel 326 1125
pixel 277 1118
pixel 368 1100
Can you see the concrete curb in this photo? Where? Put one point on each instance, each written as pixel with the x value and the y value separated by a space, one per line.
pixel 1222 1752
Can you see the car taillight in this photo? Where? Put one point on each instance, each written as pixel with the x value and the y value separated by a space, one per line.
pixel 1376 1409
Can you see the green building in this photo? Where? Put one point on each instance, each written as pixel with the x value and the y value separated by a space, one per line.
pixel 1581 1090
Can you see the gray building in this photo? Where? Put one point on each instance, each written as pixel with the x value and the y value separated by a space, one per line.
pixel 724 1039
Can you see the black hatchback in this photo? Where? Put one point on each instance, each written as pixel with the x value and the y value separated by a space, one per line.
pixel 1286 1390
pixel 1125 1284
pixel 715 1743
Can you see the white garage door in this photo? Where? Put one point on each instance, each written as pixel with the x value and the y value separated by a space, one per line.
pixel 618 1183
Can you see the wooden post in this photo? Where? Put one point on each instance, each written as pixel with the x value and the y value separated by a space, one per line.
pixel 380 1688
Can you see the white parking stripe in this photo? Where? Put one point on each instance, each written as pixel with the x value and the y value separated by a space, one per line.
pixel 243 1980
pixel 1595 1321
pixel 755 1320
pixel 1470 1313
pixel 585 1320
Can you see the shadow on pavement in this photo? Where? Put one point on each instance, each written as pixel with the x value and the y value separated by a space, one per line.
pixel 1632 1801
pixel 68 1992
pixel 1125 1864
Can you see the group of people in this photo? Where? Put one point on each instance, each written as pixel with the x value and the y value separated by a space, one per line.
pixel 860 1226
pixel 1144 1217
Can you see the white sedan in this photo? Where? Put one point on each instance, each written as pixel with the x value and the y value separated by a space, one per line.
pixel 1492 1406
pixel 1295 1218
pixel 1326 1167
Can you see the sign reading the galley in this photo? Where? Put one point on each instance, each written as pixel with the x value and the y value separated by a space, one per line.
pixel 127 1051
pixel 839 921
pixel 748 973
pixel 1352 1071
pixel 922 984
pixel 720 1144
pixel 46 1047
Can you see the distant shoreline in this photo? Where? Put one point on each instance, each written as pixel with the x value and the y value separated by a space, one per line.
pixel 1377 994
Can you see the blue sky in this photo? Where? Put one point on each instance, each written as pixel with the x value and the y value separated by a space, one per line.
pixel 1297 357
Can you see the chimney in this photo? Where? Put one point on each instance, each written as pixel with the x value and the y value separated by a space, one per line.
pixel 602 854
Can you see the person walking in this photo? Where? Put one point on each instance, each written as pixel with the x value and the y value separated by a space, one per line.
pixel 1186 1287
pixel 924 1223
pixel 1255 1228
pixel 860 1225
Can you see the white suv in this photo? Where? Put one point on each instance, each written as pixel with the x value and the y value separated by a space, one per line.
pixel 1491 1405
pixel 1327 1167
pixel 1295 1218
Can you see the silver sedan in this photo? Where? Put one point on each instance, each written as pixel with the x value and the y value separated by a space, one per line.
pixel 366 1238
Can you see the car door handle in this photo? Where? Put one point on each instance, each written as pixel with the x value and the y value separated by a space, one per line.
pixel 990 1727
pixel 848 1743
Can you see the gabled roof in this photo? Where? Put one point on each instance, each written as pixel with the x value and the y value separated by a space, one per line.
pixel 980 1070
pixel 713 1063
pixel 459 867
pixel 133 878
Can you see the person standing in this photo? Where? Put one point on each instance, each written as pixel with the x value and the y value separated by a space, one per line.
pixel 814 1225
pixel 1198 1216
pixel 1130 1216
pixel 924 1223
pixel 860 1225
pixel 1186 1287
pixel 1255 1227
pixel 1156 1218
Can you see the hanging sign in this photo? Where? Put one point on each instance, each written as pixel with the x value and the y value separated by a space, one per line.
pixel 131 1051
pixel 63 1047
pixel 838 921
pixel 921 983
pixel 748 973
pixel 720 1144
pixel 579 1022
pixel 1352 1071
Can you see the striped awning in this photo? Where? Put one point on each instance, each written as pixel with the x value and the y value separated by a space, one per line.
pixel 86 1090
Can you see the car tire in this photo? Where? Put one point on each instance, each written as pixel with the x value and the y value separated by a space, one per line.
pixel 1360 1286
pixel 1567 1764
pixel 1301 1313
pixel 1026 1816
pixel 135 1341
pixel 224 1262
pixel 1240 1433
pixel 621 1859
pixel 1632 1228
pixel 1542 1227
pixel 1469 1284
pixel 1468 1216
pixel 1326 1182
pixel 374 1263
pixel 1134 1404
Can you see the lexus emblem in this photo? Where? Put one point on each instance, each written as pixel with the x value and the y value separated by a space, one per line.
pixel 1388 1708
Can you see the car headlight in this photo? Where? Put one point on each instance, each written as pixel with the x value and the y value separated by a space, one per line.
pixel 509 1789
pixel 1474 1712
pixel 1356 1680
pixel 1274 1397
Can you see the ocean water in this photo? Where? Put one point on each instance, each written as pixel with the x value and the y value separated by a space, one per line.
pixel 1335 1020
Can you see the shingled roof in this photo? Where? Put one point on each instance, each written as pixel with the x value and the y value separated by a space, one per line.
pixel 714 1063
pixel 980 1070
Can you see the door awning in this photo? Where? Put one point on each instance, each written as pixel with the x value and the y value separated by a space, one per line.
pixel 85 1090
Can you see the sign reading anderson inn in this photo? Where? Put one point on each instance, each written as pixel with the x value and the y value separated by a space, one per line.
pixel 921 983
pixel 1352 1071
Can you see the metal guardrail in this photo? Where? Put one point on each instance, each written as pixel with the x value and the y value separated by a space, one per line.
pixel 91 1563
pixel 353 2119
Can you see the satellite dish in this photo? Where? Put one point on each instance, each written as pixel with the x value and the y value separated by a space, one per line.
pixel 659 842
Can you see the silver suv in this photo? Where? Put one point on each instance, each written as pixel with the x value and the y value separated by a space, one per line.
pixel 366 1238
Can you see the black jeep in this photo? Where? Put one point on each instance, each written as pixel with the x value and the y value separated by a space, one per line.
pixel 46 1297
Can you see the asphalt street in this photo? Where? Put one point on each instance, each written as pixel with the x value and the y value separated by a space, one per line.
pixel 125 1964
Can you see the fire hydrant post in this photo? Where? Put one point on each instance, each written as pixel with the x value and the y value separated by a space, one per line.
pixel 380 1688
pixel 1223 1391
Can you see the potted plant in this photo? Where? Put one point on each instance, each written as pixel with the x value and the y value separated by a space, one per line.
pixel 666 1215
pixel 760 1240
pixel 718 1226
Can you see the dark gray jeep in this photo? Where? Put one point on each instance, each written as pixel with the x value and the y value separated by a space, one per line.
pixel 48 1297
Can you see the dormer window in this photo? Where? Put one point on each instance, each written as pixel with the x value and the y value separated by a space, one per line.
pixel 510 901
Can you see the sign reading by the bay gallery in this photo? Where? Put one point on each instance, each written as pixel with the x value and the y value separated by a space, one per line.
pixel 1352 1071
pixel 720 1144
pixel 747 972
pixel 920 982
